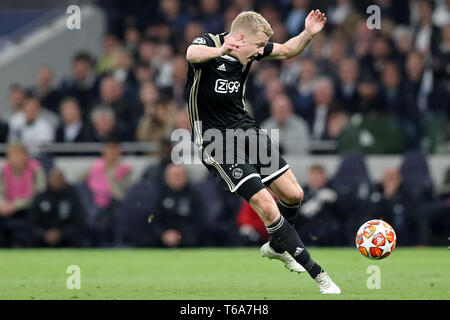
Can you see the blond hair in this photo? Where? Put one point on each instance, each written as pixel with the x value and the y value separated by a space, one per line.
pixel 251 22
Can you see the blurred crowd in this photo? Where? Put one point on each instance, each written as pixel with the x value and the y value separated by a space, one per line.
pixel 381 90
pixel 164 208
pixel 378 91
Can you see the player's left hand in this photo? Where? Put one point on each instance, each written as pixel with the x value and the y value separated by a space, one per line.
pixel 315 21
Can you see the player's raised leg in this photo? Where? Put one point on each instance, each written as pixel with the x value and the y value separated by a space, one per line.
pixel 290 196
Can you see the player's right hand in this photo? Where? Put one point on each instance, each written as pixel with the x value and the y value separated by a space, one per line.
pixel 232 44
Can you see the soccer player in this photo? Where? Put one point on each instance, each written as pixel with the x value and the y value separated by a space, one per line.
pixel 218 70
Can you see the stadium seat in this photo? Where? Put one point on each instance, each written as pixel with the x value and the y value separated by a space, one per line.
pixel 416 175
pixel 353 185
pixel 133 216
pixel 46 161
pixel 352 173
pixel 221 210
pixel 88 208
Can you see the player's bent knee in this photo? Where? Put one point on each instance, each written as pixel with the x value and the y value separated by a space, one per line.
pixel 266 208
pixel 294 196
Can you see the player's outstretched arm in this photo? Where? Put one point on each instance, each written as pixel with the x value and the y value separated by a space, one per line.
pixel 314 23
pixel 202 53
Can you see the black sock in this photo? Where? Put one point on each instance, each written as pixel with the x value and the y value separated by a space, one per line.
pixel 289 212
pixel 288 239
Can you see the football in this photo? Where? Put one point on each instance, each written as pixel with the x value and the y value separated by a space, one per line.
pixel 376 239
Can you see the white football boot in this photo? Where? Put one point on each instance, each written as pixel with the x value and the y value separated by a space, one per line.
pixel 289 262
pixel 326 285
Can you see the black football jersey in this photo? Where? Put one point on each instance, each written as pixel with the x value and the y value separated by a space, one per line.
pixel 216 90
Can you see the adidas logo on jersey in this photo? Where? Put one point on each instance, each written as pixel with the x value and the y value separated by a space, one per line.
pixel 222 67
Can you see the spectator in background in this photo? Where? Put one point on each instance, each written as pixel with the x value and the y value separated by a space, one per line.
pixel 323 101
pixel 293 131
pixel 416 85
pixel 157 122
pixel 16 98
pixel 179 216
pixel 418 89
pixel 270 11
pixel 403 41
pixel 122 66
pixel 338 12
pixel 391 91
pixel 211 16
pixel 73 128
pixel 441 13
pixel 258 81
pixel 155 172
pixel 148 94
pixel 162 62
pixel 105 127
pixel 441 63
pixel 112 97
pixel 105 62
pixel 160 31
pixel 21 179
pixel 147 48
pixel 297 15
pixel 83 84
pixel 193 30
pixel 143 73
pixel 56 215
pixel 273 88
pixel 303 94
pixel 230 13
pixel 45 91
pixel 394 202
pixel 337 51
pixel 244 5
pixel 132 37
pixel 290 71
pixel 337 121
pixel 380 53
pixel 320 220
pixel 368 98
pixel 108 179
pixel 347 84
pixel 426 33
pixel 280 34
pixel 394 101
pixel 173 16
pixel 361 38
pixel 30 126
pixel 178 87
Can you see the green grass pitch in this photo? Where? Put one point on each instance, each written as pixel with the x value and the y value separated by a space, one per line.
pixel 216 273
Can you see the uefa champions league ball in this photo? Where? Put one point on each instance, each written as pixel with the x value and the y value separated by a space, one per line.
pixel 376 239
